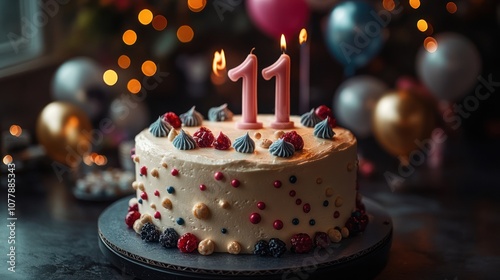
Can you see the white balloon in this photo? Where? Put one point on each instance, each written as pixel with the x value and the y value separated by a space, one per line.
pixel 354 102
pixel 451 71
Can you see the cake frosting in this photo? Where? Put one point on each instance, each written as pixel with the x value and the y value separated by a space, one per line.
pixel 258 188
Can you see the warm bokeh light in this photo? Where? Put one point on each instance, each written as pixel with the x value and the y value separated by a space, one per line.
pixel 100 160
pixel 124 61
pixel 185 34
pixel 389 5
pixel 110 77
pixel 196 5
pixel 134 86
pixel 7 159
pixel 430 44
pixel 87 160
pixel 129 37
pixel 219 63
pixel 15 130
pixel 283 43
pixel 422 25
pixel 302 36
pixel 451 7
pixel 148 68
pixel 145 17
pixel 159 22
pixel 415 4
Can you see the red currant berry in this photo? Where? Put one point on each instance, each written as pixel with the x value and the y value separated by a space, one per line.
pixel 131 217
pixel 222 142
pixel 295 139
pixel 204 137
pixel 187 243
pixel 172 119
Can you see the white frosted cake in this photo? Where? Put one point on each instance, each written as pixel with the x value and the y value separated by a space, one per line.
pixel 266 192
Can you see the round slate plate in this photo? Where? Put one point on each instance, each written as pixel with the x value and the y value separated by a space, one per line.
pixel 358 257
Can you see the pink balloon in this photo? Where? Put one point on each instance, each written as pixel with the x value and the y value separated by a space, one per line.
pixel 276 17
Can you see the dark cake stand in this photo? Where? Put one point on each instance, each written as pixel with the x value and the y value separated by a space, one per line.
pixel 358 257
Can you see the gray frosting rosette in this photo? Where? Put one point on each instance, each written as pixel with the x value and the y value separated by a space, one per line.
pixel 184 141
pixel 220 114
pixel 323 130
pixel 160 128
pixel 310 119
pixel 281 148
pixel 191 117
pixel 244 144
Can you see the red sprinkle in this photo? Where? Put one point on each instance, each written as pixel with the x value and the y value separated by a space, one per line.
pixel 298 201
pixel 261 205
pixel 292 193
pixel 336 214
pixel 278 224
pixel 255 218
pixel 174 172
pixel 218 176
pixel 131 217
pixel 144 171
pixel 172 119
pixel 235 183
pixel 157 193
pixel 157 215
pixel 277 184
pixel 144 196
pixel 203 187
pixel 222 142
pixel 306 208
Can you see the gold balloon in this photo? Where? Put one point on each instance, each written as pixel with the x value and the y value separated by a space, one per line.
pixel 64 129
pixel 400 119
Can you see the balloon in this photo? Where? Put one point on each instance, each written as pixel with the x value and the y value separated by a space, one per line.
pixel 354 34
pixel 276 17
pixel 64 130
pixel 400 119
pixel 354 102
pixel 79 81
pixel 129 115
pixel 450 71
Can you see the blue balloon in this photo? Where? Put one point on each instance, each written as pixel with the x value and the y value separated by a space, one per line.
pixel 354 33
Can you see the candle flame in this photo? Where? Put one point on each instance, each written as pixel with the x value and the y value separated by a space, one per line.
pixel 283 43
pixel 303 36
pixel 219 62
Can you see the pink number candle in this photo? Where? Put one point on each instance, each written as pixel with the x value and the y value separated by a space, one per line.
pixel 247 70
pixel 281 70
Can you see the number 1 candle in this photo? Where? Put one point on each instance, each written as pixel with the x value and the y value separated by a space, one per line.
pixel 281 70
pixel 247 71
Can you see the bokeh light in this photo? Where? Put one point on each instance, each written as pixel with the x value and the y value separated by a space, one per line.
pixel 422 25
pixel 389 5
pixel 430 44
pixel 129 37
pixel 159 22
pixel 451 7
pixel 100 160
pixel 124 61
pixel 145 17
pixel 110 77
pixel 197 5
pixel 7 159
pixel 134 86
pixel 415 4
pixel 148 68
pixel 185 34
pixel 15 130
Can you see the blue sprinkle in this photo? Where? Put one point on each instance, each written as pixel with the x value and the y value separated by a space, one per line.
pixel 312 222
pixel 223 230
pixel 326 203
pixel 139 200
pixel 293 179
pixel 295 221
pixel 180 221
pixel 170 190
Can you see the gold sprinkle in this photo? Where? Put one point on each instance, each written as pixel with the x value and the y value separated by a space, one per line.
pixel 329 192
pixel 201 211
pixel 206 247
pixel 234 248
pixel 334 235
pixel 166 203
pixel 154 172
pixel 339 201
pixel 350 166
pixel 171 135
pixel 146 218
pixel 138 226
pixel 135 184
pixel 345 232
pixel 319 181
pixel 278 134
pixel 137 159
pixel 164 164
pixel 224 204
pixel 265 143
pixel 257 135
pixel 152 205
pixel 141 186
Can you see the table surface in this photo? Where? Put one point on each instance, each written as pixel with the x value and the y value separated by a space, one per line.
pixel 446 226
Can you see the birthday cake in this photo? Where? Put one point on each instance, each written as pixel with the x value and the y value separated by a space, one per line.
pixel 208 186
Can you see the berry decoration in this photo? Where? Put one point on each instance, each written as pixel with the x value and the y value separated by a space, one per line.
pixel 172 119
pixel 169 238
pixel 187 243
pixel 295 139
pixel 276 247
pixel 321 240
pixel 134 207
pixel 131 217
pixel 301 243
pixel 144 171
pixel 150 233
pixel 356 223
pixel 222 142
pixel 324 112
pixel 204 137
pixel 261 248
